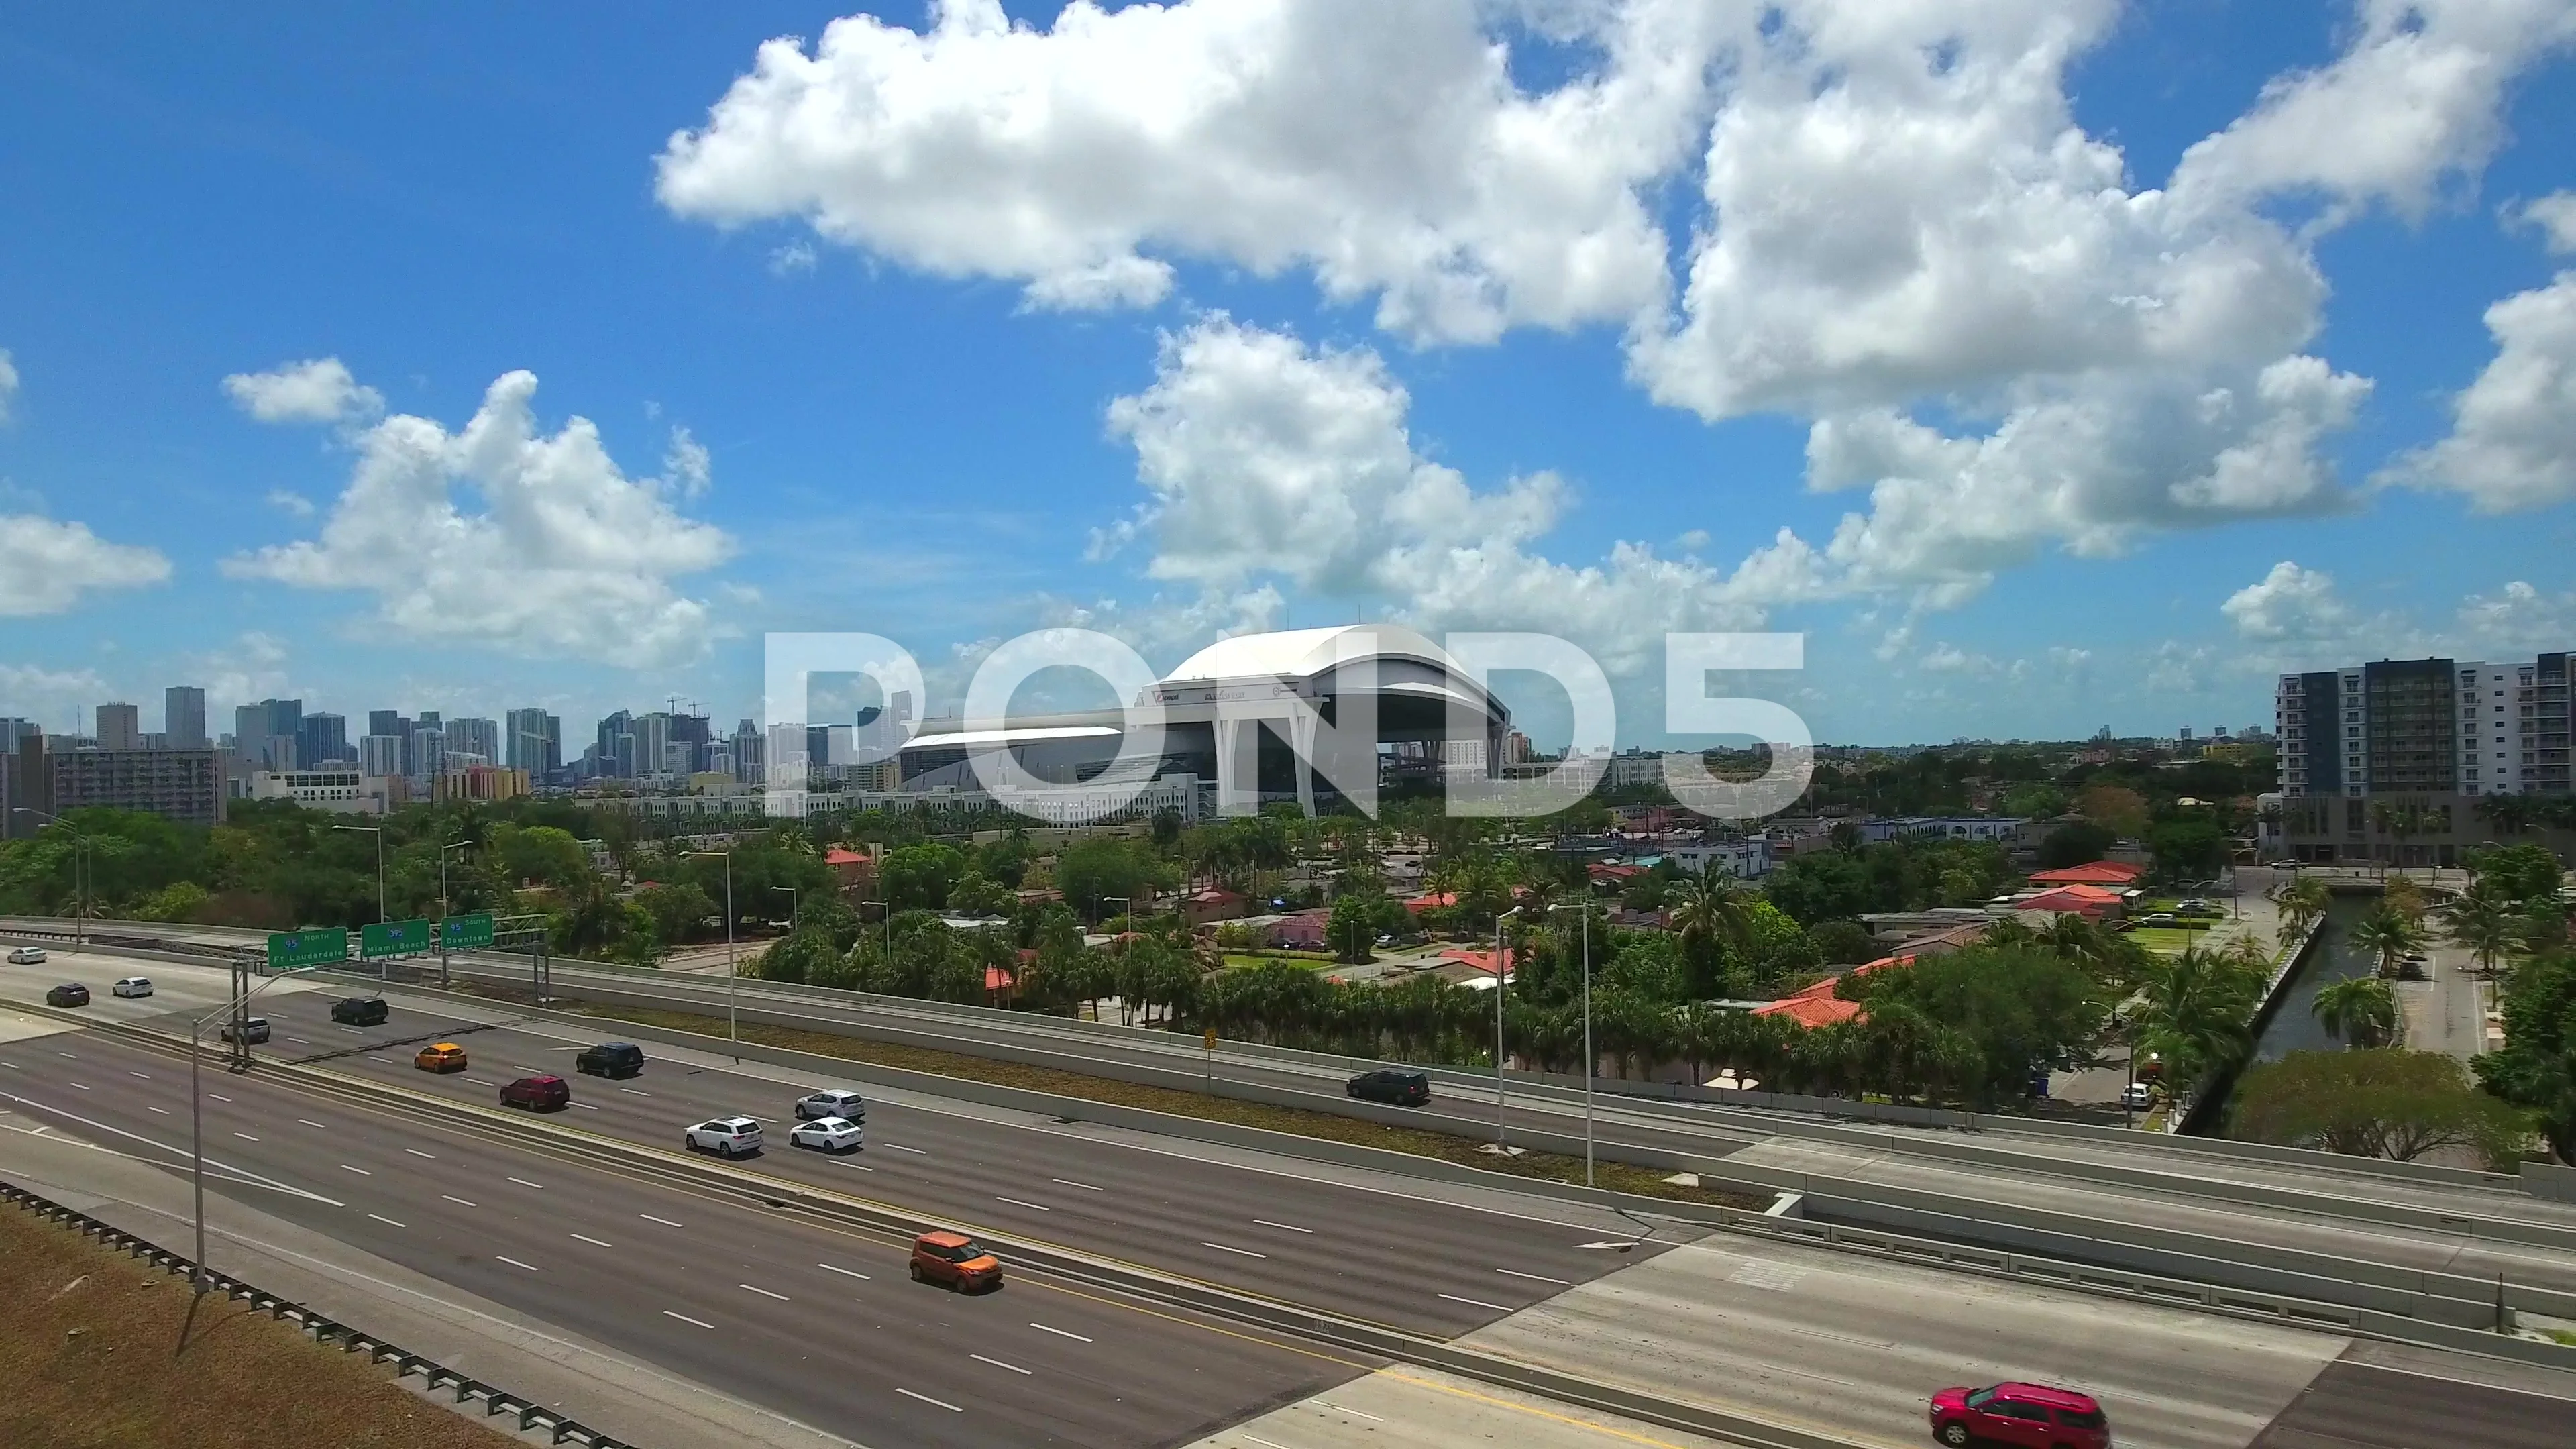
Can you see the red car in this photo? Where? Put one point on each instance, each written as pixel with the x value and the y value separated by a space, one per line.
pixel 537 1094
pixel 2030 1414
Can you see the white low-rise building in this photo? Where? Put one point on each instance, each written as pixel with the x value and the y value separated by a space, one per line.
pixel 342 792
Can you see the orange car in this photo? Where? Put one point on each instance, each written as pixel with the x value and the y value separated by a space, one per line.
pixel 446 1056
pixel 956 1260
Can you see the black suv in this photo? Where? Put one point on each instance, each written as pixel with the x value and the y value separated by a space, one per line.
pixel 359 1011
pixel 610 1059
pixel 1403 1089
pixel 70 993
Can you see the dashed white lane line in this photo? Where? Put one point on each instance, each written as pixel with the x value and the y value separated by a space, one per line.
pixel 1061 1332
pixel 76 1086
pixel 1015 1202
pixel 1477 1303
pixel 1339 1409
pixel 75 1056
pixel 351 1030
pixel 380 1217
pixel 1069 1182
pixel 917 1152
pixel 148 1107
pixel 218 1096
pixel 684 1318
pixel 416 1152
pixel 585 1106
pixel 857 1166
pixel 309 1122
pixel 460 1202
pixel 515 1263
pixel 1283 1227
pixel 666 1222
pixel 997 1363
pixel 299 1041
pixel 632 1092
pixel 478 1081
pixel 362 1172
pixel 844 1272
pixel 1222 1248
pixel 1535 1277
pixel 523 1182
pixel 763 1292
pixel 1264 1443
pixel 246 1137
pixel 927 1399
pixel 594 1242
pixel 147 1076
pixel 388 1061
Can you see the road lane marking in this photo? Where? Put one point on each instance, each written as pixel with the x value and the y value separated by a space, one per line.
pixel 1535 1277
pixel 416 1152
pixel 845 1162
pixel 73 1056
pixel 917 1152
pixel 515 1263
pixel 147 1076
pixel 594 1242
pixel 1354 1413
pixel 633 1092
pixel 1288 1227
pixel 1061 1332
pixel 380 1217
pixel 997 1363
pixel 845 1272
pixel 388 1061
pixel 478 1081
pixel 1015 1202
pixel 299 1041
pixel 78 1087
pixel 362 1172
pixel 246 1137
pixel 1222 1248
pixel 927 1399
pixel 1264 1443
pixel 309 1122
pixel 1477 1303
pixel 164 1111
pixel 241 1174
pixel 763 1292
pixel 351 1030
pixel 460 1202
pixel 523 1182
pixel 666 1222
pixel 684 1318
pixel 1069 1182
pixel 585 1106
pixel 218 1096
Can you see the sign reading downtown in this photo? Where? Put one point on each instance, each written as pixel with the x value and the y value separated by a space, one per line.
pixel 394 938
pixel 290 950
pixel 465 933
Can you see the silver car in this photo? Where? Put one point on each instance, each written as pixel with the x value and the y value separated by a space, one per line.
pixel 834 1103
pixel 27 956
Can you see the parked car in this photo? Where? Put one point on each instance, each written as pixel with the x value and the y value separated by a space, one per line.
pixel 131 987
pixel 828 1134
pixel 2137 1096
pixel 445 1056
pixel 537 1094
pixel 955 1261
pixel 360 1011
pixel 2009 1413
pixel 2198 908
pixel 1402 1089
pixel 833 1103
pixel 27 956
pixel 251 1032
pixel 70 993
pixel 2159 918
pixel 610 1059
pixel 725 1137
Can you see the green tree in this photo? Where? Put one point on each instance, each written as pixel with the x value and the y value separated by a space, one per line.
pixel 1351 929
pixel 2536 1066
pixel 1715 914
pixel 678 912
pixel 2487 926
pixel 2360 1011
pixel 1104 868
pixel 1992 1019
pixel 1843 943
pixel 2188 847
pixel 2196 1014
pixel 2379 1103
pixel 977 895
pixel 2115 808
pixel 1822 885
pixel 2520 872
pixel 2302 905
pixel 2035 801
pixel 919 877
pixel 2078 842
pixel 2386 934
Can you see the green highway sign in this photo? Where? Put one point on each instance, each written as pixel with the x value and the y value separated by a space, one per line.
pixel 288 950
pixel 394 938
pixel 465 933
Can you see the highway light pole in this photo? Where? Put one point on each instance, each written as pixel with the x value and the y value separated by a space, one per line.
pixel 80 873
pixel 733 973
pixel 1589 1061
pixel 1502 972
pixel 442 906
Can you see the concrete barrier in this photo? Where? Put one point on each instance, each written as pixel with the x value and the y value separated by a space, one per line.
pixel 2549 1180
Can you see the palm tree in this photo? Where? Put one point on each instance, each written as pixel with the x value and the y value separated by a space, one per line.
pixel 2197 1012
pixel 1715 909
pixel 2302 906
pixel 2486 926
pixel 2388 934
pixel 2360 1011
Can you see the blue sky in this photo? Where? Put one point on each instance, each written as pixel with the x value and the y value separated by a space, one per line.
pixel 887 345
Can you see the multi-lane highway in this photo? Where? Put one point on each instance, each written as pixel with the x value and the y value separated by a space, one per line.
pixel 1837 1344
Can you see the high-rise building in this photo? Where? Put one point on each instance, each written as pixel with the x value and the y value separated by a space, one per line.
pixel 183 718
pixel 387 722
pixel 381 756
pixel 269 734
pixel 474 737
pixel 120 727
pixel 428 753
pixel 652 743
pixel 748 753
pixel 182 785
pixel 534 743
pixel 617 746
pixel 26 782
pixel 323 739
pixel 11 726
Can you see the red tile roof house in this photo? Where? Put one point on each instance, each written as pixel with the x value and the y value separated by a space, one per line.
pixel 2092 902
pixel 2094 873
pixel 1210 903
pixel 1436 901
pixel 1480 961
pixel 1301 930
pixel 1817 1005
pixel 855 873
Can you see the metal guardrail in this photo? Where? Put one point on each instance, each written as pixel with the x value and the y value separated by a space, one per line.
pixel 531 1417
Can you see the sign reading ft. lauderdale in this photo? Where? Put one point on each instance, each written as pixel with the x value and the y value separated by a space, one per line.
pixel 290 949
pixel 394 938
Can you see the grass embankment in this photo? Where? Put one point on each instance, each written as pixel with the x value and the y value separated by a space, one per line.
pixel 1297 1121
pixel 99 1352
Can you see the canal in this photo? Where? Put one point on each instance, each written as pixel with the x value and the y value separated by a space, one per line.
pixel 2293 1024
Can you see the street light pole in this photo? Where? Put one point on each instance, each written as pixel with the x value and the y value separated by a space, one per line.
pixel 442 906
pixel 80 873
pixel 733 972
pixel 1589 1061
pixel 1502 973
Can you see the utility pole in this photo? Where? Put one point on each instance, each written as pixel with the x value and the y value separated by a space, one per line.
pixel 1502 973
pixel 733 972
pixel 442 906
pixel 1589 1061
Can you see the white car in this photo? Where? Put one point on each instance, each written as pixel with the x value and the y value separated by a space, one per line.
pixel 132 986
pixel 2137 1097
pixel 835 1103
pixel 725 1136
pixel 27 956
pixel 827 1134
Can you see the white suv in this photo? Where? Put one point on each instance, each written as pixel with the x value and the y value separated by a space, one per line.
pixel 133 986
pixel 832 1104
pixel 725 1136
pixel 827 1134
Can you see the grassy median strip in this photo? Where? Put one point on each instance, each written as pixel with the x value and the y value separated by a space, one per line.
pixel 1297 1121
pixel 100 1351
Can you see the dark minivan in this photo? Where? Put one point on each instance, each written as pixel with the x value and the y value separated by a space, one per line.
pixel 610 1059
pixel 1403 1089
pixel 359 1011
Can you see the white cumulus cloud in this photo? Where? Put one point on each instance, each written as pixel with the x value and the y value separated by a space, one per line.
pixel 2554 215
pixel 8 383
pixel 567 557
pixel 318 390
pixel 47 564
pixel 2512 443
pixel 2290 602
pixel 1384 147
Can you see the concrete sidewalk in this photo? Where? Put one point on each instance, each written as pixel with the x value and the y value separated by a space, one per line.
pixel 608 1390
